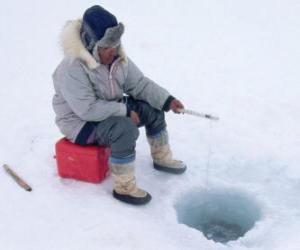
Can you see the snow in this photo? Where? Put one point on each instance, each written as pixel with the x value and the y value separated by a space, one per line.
pixel 236 59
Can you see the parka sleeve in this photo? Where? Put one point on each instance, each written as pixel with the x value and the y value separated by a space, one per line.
pixel 78 92
pixel 143 88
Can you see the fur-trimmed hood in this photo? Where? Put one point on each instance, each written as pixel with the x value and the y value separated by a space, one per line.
pixel 73 47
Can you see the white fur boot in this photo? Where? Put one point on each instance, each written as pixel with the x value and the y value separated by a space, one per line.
pixel 125 188
pixel 162 154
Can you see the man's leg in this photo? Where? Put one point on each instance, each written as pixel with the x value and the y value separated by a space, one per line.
pixel 154 121
pixel 120 133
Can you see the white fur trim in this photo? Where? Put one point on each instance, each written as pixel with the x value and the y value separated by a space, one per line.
pixel 73 46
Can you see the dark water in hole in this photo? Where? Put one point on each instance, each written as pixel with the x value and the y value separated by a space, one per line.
pixel 222 215
pixel 220 231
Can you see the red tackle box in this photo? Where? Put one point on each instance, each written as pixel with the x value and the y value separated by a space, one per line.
pixel 85 163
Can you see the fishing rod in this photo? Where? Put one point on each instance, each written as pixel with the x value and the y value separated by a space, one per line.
pixel 198 114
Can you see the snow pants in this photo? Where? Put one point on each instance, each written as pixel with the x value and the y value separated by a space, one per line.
pixel 120 133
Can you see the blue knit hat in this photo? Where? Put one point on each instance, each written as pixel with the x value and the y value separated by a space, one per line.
pixel 100 27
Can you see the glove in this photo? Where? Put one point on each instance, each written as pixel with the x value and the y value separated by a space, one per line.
pixel 176 105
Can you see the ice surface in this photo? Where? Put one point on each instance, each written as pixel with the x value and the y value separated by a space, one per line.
pixel 235 59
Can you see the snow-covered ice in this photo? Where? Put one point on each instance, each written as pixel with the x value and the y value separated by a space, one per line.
pixel 236 59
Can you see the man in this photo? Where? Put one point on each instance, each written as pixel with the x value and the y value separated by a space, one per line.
pixel 91 106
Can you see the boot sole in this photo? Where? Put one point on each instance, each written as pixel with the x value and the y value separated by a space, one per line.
pixel 131 199
pixel 169 170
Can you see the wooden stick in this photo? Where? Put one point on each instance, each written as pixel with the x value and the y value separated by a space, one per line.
pixel 18 179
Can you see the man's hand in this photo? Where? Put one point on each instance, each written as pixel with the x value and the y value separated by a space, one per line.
pixel 175 105
pixel 134 117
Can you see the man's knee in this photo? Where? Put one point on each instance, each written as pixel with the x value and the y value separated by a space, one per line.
pixel 124 129
pixel 124 134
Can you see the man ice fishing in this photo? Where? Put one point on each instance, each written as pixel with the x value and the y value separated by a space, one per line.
pixel 101 97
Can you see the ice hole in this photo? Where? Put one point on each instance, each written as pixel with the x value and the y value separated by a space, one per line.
pixel 221 215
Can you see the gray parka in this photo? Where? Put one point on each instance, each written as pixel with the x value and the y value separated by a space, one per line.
pixel 86 90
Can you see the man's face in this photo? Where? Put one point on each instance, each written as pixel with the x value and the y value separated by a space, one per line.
pixel 107 55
